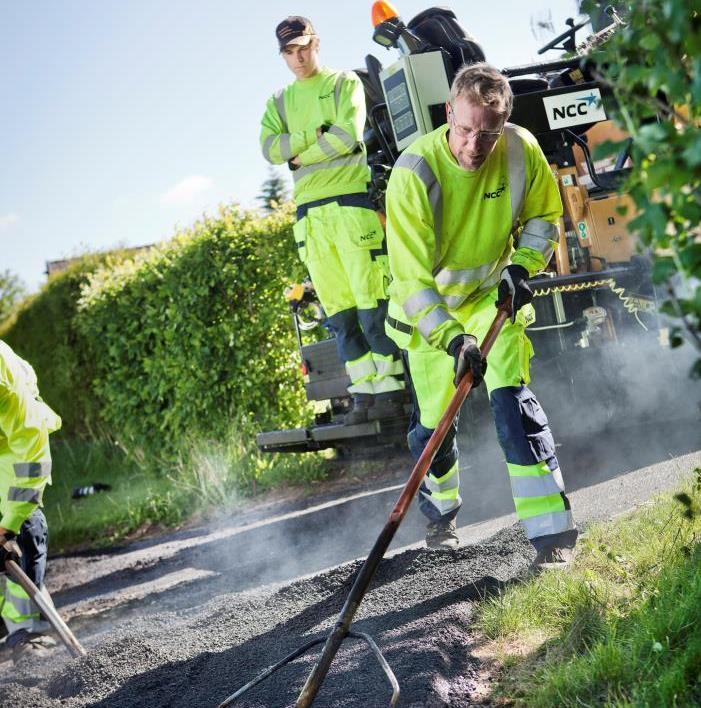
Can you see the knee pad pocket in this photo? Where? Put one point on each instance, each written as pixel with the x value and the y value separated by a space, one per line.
pixel 447 454
pixel 522 426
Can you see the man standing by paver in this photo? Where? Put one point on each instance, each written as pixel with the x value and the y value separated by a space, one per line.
pixel 457 200
pixel 316 125
pixel 25 469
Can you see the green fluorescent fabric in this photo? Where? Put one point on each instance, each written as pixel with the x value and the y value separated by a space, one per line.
pixel 18 611
pixel 444 491
pixel 361 372
pixel 432 369
pixel 334 163
pixel 450 231
pixel 342 249
pixel 389 374
pixel 25 424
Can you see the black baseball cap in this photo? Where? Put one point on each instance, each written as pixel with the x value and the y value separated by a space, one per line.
pixel 294 30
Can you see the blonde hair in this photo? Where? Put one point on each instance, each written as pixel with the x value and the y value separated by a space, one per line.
pixel 483 85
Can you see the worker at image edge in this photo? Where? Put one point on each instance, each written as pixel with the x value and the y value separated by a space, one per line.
pixel 25 469
pixel 458 200
pixel 316 126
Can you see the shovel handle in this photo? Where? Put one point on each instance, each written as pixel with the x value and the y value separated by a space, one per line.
pixel 48 610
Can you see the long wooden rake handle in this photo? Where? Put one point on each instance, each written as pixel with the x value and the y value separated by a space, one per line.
pixel 366 573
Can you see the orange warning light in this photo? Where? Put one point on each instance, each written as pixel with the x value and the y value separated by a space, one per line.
pixel 382 11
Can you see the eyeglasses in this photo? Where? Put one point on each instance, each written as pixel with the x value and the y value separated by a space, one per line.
pixel 467 133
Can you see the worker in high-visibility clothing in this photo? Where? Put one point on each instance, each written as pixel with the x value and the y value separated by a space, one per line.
pixel 25 470
pixel 315 125
pixel 459 199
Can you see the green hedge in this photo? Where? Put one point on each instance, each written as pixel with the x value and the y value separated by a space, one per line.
pixel 43 330
pixel 174 344
pixel 195 334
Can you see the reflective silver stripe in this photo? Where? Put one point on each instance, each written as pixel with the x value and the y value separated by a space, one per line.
pixel 339 85
pixel 361 387
pixel 469 276
pixel 34 624
pixel 266 147
pixel 21 494
pixel 516 160
pixel 433 319
pixel 420 301
pixel 443 505
pixel 23 606
pixel 326 147
pixel 345 161
pixel 286 147
pixel 30 470
pixel 451 483
pixel 279 99
pixel 463 277
pixel 389 368
pixel 540 486
pixel 495 277
pixel 541 236
pixel 454 301
pixel 545 524
pixel 421 168
pixel 346 138
pixel 361 369
pixel 29 612
pixel 387 385
pixel 29 625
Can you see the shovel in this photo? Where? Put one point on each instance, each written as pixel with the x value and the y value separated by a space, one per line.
pixel 47 609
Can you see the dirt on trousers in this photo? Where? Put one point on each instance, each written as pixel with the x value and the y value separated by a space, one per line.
pixel 419 610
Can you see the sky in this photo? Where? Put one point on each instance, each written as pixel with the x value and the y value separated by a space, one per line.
pixel 122 120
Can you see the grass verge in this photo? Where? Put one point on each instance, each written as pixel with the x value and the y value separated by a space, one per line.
pixel 147 492
pixel 621 628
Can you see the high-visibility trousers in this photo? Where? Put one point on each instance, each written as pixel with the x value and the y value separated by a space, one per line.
pixel 522 428
pixel 342 243
pixel 19 613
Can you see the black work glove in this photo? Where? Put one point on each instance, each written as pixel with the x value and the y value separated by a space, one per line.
pixel 514 282
pixel 9 550
pixel 468 357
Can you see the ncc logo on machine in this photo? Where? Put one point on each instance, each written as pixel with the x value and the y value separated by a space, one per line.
pixel 569 109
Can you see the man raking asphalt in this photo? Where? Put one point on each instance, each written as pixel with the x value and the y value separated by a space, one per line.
pixel 368 569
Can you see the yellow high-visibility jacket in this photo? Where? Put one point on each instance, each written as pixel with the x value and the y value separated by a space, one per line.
pixel 450 232
pixel 25 424
pixel 334 163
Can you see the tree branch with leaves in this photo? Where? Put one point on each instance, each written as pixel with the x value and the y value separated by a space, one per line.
pixel 12 291
pixel 653 66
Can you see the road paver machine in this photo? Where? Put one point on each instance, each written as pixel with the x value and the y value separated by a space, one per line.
pixel 597 291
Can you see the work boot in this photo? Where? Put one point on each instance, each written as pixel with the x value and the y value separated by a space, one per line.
pixel 442 535
pixel 362 402
pixel 387 405
pixel 552 558
pixel 32 646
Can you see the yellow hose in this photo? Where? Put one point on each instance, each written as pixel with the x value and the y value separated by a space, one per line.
pixel 629 302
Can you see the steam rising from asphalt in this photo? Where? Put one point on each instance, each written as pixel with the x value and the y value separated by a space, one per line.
pixel 611 410
pixel 622 406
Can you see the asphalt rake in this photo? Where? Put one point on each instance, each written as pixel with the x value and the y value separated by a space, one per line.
pixel 341 629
